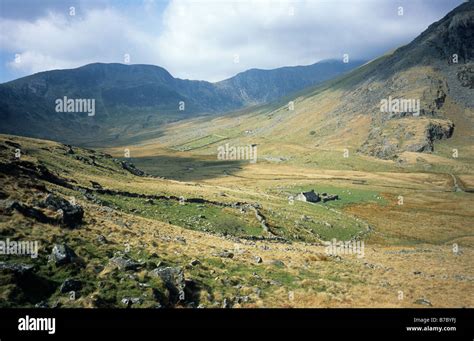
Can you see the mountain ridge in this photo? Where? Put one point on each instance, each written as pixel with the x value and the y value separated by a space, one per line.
pixel 130 97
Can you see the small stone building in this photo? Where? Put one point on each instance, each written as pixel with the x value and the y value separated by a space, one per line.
pixel 310 196
pixel 313 196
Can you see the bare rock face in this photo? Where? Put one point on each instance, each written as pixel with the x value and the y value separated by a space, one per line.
pixel 413 135
pixel 436 68
pixel 466 76
pixel 439 130
pixel 436 130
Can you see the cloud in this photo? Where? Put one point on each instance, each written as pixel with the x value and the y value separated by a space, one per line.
pixel 201 41
pixel 34 9
pixel 63 41
pixel 211 40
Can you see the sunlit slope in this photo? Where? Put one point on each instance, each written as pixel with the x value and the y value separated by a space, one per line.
pixel 134 227
pixel 329 121
pixel 345 113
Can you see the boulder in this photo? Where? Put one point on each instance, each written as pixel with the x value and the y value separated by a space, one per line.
pixel 101 239
pixel 96 185
pixel 329 197
pixel 241 299
pixel 129 301
pixel 27 211
pixel 423 301
pixel 173 278
pixel 226 303
pixel 69 149
pixel 124 263
pixel 70 285
pixel 28 286
pixel 194 262
pixel 130 167
pixel 225 254
pixel 19 269
pixel 62 254
pixel 278 263
pixel 71 215
pixel 42 305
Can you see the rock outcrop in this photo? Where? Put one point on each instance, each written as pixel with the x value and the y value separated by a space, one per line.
pixel 70 215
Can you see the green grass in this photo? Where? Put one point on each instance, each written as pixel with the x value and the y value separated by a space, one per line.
pixel 328 159
pixel 319 221
pixel 200 217
pixel 187 168
pixel 347 196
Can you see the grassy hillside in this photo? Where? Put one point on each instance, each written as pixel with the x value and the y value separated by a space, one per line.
pixel 314 127
pixel 206 235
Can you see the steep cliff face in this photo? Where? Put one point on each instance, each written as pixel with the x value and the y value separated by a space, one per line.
pixel 434 69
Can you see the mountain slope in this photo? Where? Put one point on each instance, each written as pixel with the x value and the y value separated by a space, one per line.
pixel 346 112
pixel 258 86
pixel 133 97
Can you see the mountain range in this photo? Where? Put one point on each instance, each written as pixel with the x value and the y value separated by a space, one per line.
pixel 336 105
pixel 134 97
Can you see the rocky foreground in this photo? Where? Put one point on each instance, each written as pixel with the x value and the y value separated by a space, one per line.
pixel 93 252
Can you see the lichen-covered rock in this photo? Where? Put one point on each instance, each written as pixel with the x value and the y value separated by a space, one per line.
pixel 62 255
pixel 173 278
pixel 124 263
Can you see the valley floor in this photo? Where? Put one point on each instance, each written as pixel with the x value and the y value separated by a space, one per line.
pixel 205 233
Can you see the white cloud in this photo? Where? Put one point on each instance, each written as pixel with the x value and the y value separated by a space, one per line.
pixel 61 41
pixel 199 40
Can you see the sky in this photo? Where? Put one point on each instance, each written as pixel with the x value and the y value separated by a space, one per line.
pixel 205 40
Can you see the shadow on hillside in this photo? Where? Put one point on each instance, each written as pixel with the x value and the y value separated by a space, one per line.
pixel 187 168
